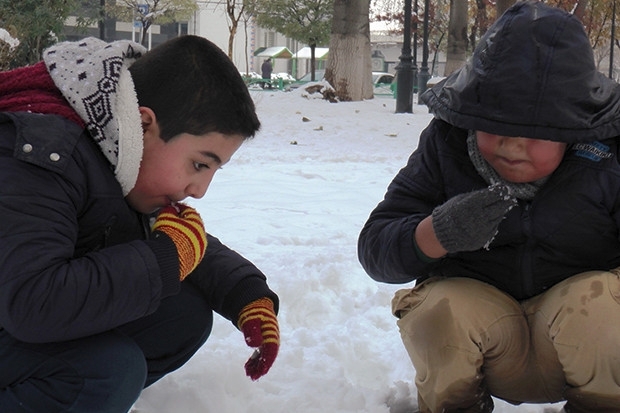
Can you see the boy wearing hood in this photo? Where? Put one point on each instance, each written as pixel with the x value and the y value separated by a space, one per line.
pixel 107 281
pixel 507 216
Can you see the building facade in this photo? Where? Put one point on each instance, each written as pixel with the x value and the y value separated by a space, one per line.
pixel 211 21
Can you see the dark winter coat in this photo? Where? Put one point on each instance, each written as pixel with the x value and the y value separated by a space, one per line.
pixel 75 259
pixel 547 87
pixel 266 69
pixel 571 226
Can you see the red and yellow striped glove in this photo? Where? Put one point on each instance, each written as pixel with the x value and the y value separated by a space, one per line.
pixel 259 325
pixel 185 228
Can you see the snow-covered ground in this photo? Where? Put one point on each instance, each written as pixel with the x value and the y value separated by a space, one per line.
pixel 293 201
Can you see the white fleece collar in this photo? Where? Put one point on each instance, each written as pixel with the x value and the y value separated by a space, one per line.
pixel 92 75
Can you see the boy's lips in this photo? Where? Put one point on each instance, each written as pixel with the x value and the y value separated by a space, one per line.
pixel 165 201
pixel 510 161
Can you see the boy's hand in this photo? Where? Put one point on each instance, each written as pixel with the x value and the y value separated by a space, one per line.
pixel 469 221
pixel 185 228
pixel 259 325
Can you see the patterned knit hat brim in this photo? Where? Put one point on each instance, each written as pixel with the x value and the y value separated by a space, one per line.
pixel 92 75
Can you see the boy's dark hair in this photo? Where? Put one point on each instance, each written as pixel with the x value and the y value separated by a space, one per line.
pixel 193 87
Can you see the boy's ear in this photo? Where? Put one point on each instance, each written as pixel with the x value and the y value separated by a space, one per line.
pixel 148 118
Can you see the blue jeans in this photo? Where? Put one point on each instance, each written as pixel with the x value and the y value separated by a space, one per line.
pixel 106 372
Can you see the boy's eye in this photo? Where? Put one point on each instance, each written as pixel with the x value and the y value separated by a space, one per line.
pixel 198 166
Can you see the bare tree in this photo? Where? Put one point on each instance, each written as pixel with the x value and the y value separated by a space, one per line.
pixel 580 9
pixel 349 65
pixel 457 36
pixel 502 5
pixel 481 22
pixel 147 12
pixel 235 9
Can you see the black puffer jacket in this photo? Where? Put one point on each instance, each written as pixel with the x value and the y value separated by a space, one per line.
pixel 75 259
pixel 571 226
pixel 530 76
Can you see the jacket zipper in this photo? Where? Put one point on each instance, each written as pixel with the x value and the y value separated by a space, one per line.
pixel 146 225
pixel 527 256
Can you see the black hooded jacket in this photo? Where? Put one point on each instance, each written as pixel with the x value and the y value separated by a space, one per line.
pixel 532 75
pixel 75 259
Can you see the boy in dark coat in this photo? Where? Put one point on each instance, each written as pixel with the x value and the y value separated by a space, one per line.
pixel 107 281
pixel 507 216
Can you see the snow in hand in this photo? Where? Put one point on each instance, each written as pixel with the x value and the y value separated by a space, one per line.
pixel 293 200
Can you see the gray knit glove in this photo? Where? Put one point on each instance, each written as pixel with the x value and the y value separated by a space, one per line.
pixel 468 222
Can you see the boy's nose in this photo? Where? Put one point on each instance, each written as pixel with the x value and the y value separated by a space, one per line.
pixel 512 143
pixel 198 189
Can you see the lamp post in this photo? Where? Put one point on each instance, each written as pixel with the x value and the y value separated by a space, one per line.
pixel 404 87
pixel 415 47
pixel 613 40
pixel 102 19
pixel 424 75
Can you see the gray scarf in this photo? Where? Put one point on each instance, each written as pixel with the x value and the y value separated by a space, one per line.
pixel 525 191
pixel 92 75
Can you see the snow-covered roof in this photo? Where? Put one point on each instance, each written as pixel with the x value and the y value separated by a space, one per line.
pixel 319 53
pixel 277 52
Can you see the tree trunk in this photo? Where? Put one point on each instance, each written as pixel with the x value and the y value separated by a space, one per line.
pixel 349 65
pixel 457 36
pixel 231 37
pixel 503 5
pixel 245 32
pixel 144 33
pixel 313 62
pixel 580 9
pixel 234 23
pixel 481 23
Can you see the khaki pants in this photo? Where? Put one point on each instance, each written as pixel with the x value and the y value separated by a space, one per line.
pixel 467 339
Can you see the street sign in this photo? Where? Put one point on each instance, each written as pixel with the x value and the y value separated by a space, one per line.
pixel 143 9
